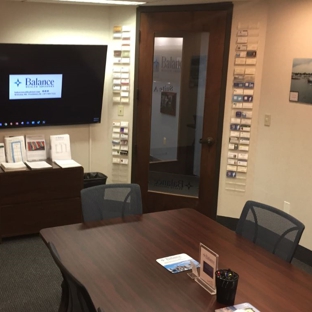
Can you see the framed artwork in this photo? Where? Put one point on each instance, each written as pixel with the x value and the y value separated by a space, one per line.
pixel 168 102
pixel 301 81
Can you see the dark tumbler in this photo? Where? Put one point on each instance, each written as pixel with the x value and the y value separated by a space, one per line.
pixel 226 284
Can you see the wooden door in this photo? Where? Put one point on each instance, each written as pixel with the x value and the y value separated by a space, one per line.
pixel 178 116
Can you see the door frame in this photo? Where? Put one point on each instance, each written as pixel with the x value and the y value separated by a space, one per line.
pixel 225 6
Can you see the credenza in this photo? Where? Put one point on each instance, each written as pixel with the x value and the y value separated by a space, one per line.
pixel 31 200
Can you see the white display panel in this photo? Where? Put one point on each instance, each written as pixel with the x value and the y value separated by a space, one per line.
pixel 25 87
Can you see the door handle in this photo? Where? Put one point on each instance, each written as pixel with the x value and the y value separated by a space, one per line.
pixel 209 141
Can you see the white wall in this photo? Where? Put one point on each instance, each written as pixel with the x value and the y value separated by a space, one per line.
pixel 52 23
pixel 101 135
pixel 283 159
pixel 230 203
pixel 280 165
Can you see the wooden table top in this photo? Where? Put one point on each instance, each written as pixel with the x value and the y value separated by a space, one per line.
pixel 116 261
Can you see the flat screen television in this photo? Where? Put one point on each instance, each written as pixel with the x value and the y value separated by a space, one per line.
pixel 51 84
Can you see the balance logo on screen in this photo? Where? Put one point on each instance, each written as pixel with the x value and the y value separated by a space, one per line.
pixel 17 82
pixel 25 87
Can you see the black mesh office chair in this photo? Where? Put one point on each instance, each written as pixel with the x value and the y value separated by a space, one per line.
pixel 111 201
pixel 78 298
pixel 270 228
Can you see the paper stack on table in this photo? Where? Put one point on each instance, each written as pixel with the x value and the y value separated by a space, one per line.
pixel 67 163
pixel 13 166
pixel 38 164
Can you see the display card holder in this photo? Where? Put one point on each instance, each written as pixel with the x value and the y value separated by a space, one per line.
pixel 208 267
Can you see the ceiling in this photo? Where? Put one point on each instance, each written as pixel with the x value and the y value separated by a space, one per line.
pixel 148 2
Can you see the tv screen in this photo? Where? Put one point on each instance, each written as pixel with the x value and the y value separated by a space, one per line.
pixel 50 85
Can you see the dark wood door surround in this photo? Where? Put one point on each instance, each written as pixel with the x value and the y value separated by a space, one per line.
pixel 216 20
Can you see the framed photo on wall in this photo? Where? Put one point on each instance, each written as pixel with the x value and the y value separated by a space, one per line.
pixel 168 103
pixel 301 81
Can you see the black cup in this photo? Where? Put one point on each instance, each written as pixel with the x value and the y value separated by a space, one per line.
pixel 226 283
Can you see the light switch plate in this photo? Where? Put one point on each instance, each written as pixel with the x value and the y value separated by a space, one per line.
pixel 267 120
pixel 120 110
pixel 286 207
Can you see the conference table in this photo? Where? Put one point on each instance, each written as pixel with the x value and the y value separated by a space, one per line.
pixel 116 262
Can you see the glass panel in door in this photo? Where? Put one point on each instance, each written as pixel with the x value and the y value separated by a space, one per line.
pixel 178 97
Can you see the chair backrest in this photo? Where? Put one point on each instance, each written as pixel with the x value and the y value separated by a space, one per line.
pixel 79 299
pixel 270 228
pixel 111 201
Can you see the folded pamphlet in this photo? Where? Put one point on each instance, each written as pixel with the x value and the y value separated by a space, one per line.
pixel 242 307
pixel 177 263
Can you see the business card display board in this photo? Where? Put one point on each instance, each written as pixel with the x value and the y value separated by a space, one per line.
pixel 242 103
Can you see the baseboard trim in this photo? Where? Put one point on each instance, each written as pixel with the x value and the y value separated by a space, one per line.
pixel 227 222
pixel 302 254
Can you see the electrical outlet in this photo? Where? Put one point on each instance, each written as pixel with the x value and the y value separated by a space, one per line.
pixel 267 120
pixel 164 140
pixel 286 207
pixel 120 110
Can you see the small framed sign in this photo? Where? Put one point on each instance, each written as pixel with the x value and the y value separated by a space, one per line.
pixel 208 266
pixel 168 103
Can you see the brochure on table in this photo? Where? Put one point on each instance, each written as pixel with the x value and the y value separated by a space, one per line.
pixel 37 164
pixel 242 307
pixel 178 263
pixel 15 156
pixel 13 166
pixel 67 163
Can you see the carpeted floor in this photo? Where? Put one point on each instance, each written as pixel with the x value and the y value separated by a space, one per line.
pixel 29 279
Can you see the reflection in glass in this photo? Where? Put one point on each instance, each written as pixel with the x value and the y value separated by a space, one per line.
pixel 179 81
pixel 166 98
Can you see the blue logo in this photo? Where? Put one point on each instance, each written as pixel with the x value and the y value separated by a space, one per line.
pixel 17 82
pixel 156 65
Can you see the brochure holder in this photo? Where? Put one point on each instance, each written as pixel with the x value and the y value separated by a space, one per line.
pixel 15 149
pixel 208 267
pixel 60 147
